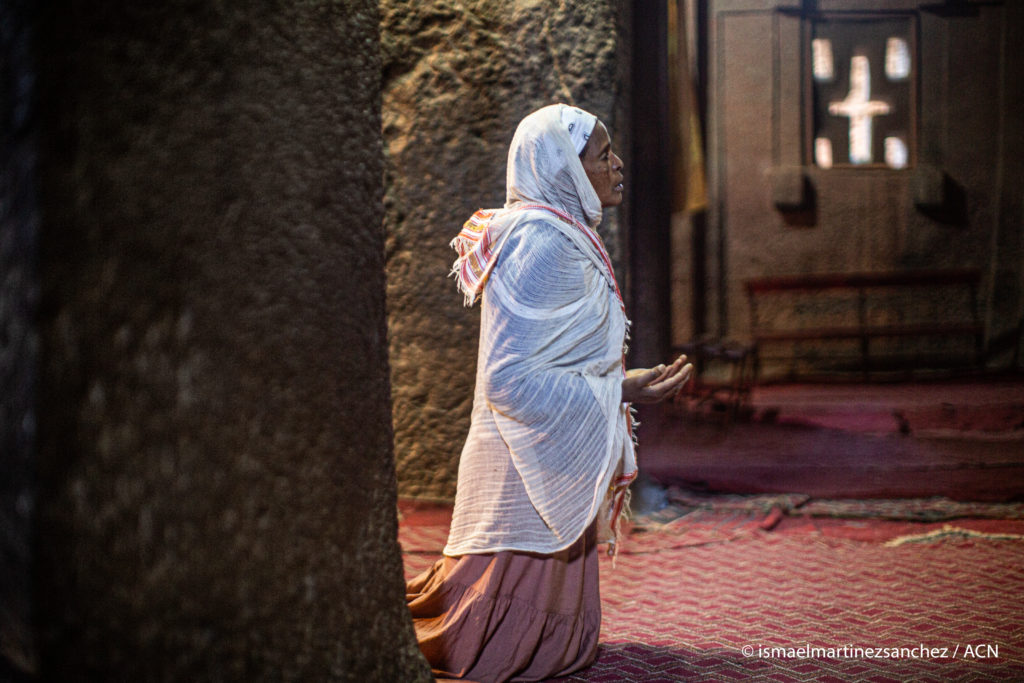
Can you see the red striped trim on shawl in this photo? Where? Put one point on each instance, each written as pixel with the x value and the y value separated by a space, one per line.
pixel 619 488
pixel 473 245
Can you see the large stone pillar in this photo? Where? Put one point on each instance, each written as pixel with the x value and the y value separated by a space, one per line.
pixel 19 290
pixel 458 78
pixel 216 492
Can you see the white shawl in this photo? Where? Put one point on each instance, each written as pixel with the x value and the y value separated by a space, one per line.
pixel 550 438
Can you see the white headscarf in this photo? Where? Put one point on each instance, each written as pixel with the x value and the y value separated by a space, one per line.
pixel 544 167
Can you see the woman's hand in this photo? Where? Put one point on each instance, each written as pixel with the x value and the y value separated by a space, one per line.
pixel 655 384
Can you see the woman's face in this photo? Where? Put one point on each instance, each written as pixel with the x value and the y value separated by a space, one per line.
pixel 603 167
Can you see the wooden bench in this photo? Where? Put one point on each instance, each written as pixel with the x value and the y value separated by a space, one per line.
pixel 961 318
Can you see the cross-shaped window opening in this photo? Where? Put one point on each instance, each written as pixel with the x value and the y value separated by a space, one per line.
pixel 862 74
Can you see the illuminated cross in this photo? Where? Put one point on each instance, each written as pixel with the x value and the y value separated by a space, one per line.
pixel 859 106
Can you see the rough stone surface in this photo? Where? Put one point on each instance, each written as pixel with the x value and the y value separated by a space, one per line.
pixel 458 78
pixel 19 289
pixel 216 481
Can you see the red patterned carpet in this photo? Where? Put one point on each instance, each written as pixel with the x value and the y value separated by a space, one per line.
pixel 731 592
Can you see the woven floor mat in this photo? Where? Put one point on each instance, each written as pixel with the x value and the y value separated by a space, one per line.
pixel 715 596
pixel 715 612
pixel 805 607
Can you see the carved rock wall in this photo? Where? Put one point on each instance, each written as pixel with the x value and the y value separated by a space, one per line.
pixel 458 78
pixel 957 205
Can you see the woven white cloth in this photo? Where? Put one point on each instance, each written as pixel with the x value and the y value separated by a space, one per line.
pixel 550 434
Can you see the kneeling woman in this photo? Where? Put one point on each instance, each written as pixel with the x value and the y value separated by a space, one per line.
pixel 549 455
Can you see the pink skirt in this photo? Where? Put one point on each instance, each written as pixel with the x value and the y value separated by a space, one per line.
pixel 509 615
